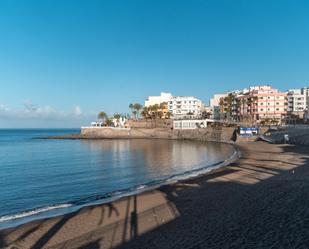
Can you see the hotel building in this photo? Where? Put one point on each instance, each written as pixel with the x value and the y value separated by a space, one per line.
pixel 185 107
pixel 179 106
pixel 261 102
pixel 157 100
pixel 298 101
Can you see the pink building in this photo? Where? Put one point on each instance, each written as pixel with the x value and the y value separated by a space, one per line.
pixel 262 102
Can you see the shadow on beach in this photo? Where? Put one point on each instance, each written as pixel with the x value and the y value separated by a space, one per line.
pixel 259 201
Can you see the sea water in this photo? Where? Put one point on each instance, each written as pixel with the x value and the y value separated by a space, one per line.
pixel 45 177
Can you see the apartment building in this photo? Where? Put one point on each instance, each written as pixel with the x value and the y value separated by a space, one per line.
pixel 261 102
pixel 157 100
pixel 214 105
pixel 298 101
pixel 185 107
pixel 180 107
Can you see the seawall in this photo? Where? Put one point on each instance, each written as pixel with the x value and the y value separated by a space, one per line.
pixel 221 134
pixel 298 135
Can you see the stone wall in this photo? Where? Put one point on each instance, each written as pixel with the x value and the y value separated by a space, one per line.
pixel 298 135
pixel 221 134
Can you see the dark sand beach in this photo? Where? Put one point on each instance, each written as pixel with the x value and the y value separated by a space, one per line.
pixel 259 201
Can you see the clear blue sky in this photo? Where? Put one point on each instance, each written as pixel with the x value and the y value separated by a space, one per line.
pixel 62 61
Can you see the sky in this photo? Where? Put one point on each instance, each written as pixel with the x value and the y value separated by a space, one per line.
pixel 61 62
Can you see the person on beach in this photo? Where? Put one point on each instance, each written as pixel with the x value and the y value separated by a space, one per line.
pixel 234 135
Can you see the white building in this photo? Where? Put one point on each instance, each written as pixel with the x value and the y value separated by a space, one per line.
pixel 180 106
pixel 215 100
pixel 121 122
pixel 185 107
pixel 214 104
pixel 298 101
pixel 157 100
pixel 189 124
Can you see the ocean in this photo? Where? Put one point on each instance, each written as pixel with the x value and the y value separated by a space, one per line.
pixel 41 178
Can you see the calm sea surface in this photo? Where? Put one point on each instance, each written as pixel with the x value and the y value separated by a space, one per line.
pixel 45 177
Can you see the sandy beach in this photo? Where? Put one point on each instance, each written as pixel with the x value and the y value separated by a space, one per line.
pixel 259 201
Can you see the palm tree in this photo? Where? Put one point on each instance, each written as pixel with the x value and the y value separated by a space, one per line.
pixel 237 106
pixel 168 115
pixel 134 114
pixel 109 122
pixel 117 116
pixel 249 107
pixel 243 102
pixel 131 106
pixel 103 116
pixel 160 114
pixel 137 107
pixel 163 105
pixel 221 104
pixel 145 112
pixel 155 109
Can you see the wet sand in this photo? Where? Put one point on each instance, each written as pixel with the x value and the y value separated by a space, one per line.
pixel 259 201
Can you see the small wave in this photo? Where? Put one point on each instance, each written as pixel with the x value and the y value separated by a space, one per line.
pixel 114 195
pixel 32 212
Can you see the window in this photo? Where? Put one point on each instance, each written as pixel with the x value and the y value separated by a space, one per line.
pixel 261 109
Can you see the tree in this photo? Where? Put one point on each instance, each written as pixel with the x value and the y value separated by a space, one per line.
pixel 221 104
pixel 243 102
pixel 102 116
pixel 134 114
pixel 137 107
pixel 117 116
pixel 131 106
pixel 163 105
pixel 168 115
pixel 237 106
pixel 155 108
pixel 206 114
pixel 109 122
pixel 145 112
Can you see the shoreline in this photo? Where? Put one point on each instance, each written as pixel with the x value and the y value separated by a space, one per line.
pixel 262 197
pixel 110 197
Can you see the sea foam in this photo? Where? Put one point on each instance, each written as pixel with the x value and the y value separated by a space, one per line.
pixel 32 212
